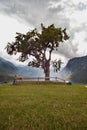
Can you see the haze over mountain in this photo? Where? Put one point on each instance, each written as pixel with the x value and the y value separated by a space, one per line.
pixel 76 70
pixel 7 67
pixel 8 70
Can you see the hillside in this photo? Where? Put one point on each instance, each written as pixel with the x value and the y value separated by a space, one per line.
pixel 76 70
pixel 7 67
pixel 8 70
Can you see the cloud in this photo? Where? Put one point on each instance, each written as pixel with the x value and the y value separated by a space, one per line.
pixel 68 50
pixel 63 13
pixel 31 11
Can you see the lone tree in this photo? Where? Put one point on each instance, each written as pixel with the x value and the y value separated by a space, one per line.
pixel 40 45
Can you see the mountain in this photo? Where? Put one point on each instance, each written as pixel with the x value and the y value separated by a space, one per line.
pixel 6 67
pixel 8 70
pixel 76 70
pixel 29 71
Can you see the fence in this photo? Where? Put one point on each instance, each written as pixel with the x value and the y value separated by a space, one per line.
pixel 54 79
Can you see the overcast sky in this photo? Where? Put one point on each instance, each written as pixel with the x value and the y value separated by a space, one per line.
pixel 24 15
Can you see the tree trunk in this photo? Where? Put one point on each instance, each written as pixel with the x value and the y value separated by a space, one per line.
pixel 47 70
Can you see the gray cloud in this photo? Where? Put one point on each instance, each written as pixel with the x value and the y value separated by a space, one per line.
pixel 68 50
pixel 35 12
pixel 31 11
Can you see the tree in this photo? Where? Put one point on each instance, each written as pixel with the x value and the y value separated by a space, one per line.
pixel 57 65
pixel 40 45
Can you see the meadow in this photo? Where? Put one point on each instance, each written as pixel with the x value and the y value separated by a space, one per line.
pixel 43 106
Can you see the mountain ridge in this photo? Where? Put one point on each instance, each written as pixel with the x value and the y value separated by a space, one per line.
pixel 76 70
pixel 8 70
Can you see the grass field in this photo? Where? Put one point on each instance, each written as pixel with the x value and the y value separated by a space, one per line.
pixel 43 106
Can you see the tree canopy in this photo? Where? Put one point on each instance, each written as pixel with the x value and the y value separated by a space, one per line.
pixel 37 44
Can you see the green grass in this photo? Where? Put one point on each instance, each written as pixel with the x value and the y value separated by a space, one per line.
pixel 43 106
